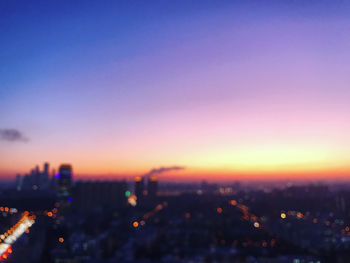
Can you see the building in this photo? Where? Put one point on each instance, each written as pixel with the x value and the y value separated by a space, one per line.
pixel 152 187
pixel 35 180
pixel 99 194
pixel 139 187
pixel 64 187
pixel 19 182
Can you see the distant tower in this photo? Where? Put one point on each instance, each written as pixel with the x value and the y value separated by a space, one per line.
pixel 139 187
pixel 19 182
pixel 152 187
pixel 53 182
pixel 64 190
pixel 37 170
pixel 46 170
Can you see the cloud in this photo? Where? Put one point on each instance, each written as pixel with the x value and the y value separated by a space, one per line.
pixel 164 169
pixel 12 135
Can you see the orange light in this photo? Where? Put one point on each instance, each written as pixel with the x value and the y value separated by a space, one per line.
pixel 49 214
pixel 135 224
pixel 347 229
pixel 233 202
pixel 219 210
pixel 134 197
pixel 273 242
pixel 315 220
pixel 61 239
pixel 27 231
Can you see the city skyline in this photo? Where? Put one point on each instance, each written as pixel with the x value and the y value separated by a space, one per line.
pixel 229 90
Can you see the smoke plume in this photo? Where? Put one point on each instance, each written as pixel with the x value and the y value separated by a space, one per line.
pixel 160 170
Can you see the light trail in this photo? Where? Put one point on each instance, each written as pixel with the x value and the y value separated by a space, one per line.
pixel 14 233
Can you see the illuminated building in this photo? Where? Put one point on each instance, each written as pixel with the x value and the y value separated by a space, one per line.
pixel 64 190
pixel 139 187
pixel 152 187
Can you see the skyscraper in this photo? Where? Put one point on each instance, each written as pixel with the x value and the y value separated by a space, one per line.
pixel 64 190
pixel 139 187
pixel 46 170
pixel 152 187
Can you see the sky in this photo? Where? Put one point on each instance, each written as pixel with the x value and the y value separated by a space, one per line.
pixel 228 89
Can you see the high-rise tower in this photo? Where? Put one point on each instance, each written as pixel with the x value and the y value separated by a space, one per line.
pixel 152 187
pixel 64 189
pixel 139 187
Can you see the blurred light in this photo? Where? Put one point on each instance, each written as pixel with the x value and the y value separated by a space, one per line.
pixel 127 193
pixel 135 224
pixel 283 215
pixel 273 242
pixel 132 201
pixel 14 233
pixel 138 179
pixel 61 239
pixel 233 202
pixel 219 210
pixel 256 224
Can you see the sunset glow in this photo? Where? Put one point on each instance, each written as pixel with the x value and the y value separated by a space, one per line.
pixel 227 95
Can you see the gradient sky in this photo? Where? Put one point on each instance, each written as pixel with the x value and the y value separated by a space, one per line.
pixel 226 88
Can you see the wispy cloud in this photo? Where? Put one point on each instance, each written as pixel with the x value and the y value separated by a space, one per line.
pixel 12 135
